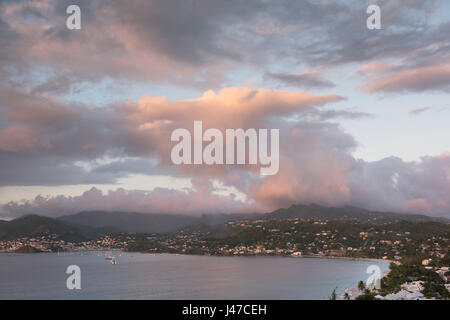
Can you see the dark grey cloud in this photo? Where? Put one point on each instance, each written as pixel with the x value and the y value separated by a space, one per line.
pixel 395 185
pixel 343 114
pixel 311 79
pixel 128 166
pixel 30 169
pixel 419 111
pixel 195 42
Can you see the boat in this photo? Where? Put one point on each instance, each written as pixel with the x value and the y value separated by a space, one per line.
pixel 113 261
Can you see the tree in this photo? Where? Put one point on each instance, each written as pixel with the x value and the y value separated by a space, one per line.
pixel 333 295
pixel 366 297
pixel 361 285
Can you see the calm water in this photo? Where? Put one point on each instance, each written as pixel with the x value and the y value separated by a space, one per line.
pixel 165 276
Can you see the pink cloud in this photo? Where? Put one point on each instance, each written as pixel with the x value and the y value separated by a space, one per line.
pixel 316 162
pixel 197 201
pixel 17 138
pixel 414 79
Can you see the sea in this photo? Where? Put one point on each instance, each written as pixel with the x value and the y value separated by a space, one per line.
pixel 176 277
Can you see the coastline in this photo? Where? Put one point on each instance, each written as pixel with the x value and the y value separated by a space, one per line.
pixel 275 255
pixel 345 258
pixel 215 255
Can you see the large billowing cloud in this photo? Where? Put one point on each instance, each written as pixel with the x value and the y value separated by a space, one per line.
pixel 316 162
pixel 40 132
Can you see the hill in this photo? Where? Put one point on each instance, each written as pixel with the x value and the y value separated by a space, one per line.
pixel 130 222
pixel 345 214
pixel 146 222
pixel 88 224
pixel 34 225
pixel 27 249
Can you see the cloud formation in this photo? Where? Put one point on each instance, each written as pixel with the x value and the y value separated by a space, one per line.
pixel 195 43
pixel 316 162
pixel 45 137
pixel 307 79
pixel 413 79
pixel 419 111
pixel 48 140
pixel 420 186
pixel 199 200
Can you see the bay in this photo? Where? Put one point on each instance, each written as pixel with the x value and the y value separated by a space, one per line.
pixel 168 276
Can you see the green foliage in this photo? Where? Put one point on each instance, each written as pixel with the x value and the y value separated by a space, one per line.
pixel 435 290
pixel 27 249
pixel 72 236
pixel 407 273
pixel 412 260
pixel 140 246
pixel 366 296
pixel 361 285
pixel 248 236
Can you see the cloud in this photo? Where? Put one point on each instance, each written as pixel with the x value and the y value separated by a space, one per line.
pixel 200 200
pixel 317 166
pixel 307 79
pixel 343 114
pixel 314 163
pixel 413 80
pixel 419 111
pixel 195 43
pixel 45 137
pixel 395 185
pixel 46 140
pixel 373 67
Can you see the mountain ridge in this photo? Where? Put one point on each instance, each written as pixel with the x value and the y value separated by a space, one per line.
pixel 347 212
pixel 35 225
pixel 92 223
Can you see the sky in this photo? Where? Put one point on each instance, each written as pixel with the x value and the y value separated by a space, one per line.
pixel 86 115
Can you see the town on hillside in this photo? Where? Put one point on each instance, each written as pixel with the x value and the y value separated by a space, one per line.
pixel 418 251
